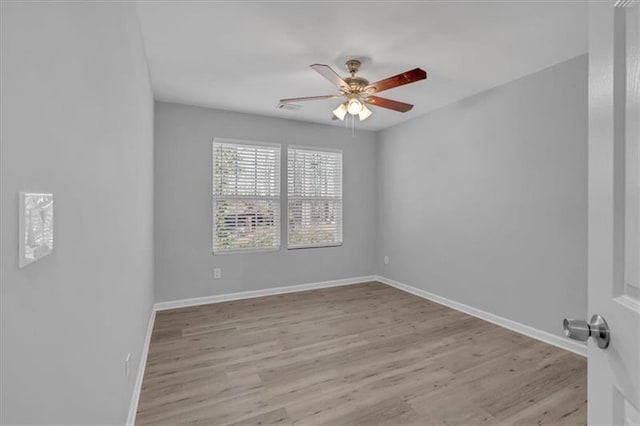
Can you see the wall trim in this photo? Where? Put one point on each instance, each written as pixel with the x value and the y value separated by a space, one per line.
pixel 552 339
pixel 137 386
pixel 196 301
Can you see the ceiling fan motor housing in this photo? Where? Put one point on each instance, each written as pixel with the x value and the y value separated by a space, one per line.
pixel 356 84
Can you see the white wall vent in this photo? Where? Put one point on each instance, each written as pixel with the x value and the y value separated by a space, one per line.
pixel 290 107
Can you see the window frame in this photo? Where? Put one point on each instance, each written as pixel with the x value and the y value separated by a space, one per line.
pixel 247 250
pixel 341 199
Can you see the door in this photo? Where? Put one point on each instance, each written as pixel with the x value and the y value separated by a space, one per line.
pixel 614 218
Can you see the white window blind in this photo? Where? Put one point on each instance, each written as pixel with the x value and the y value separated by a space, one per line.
pixel 246 196
pixel 314 198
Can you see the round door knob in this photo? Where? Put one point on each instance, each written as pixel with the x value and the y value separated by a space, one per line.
pixel 576 329
pixel 598 329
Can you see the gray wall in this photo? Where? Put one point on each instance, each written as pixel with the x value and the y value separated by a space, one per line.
pixel 183 211
pixel 77 120
pixel 485 201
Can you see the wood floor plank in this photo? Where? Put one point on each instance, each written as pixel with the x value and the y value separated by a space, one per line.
pixel 359 354
pixel 275 417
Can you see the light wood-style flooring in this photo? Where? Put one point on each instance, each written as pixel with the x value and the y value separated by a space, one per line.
pixel 360 354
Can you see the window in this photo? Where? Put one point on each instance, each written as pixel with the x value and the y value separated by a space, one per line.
pixel 246 196
pixel 315 198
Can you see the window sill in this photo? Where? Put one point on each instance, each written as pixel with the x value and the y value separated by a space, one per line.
pixel 245 251
pixel 315 246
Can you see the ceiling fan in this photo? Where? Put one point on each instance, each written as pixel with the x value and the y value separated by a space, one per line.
pixel 358 92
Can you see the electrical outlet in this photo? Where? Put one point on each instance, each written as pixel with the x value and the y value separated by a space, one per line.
pixel 127 366
pixel 217 273
pixel 386 260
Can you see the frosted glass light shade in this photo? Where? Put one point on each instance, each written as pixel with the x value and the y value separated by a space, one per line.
pixel 341 111
pixel 365 113
pixel 354 106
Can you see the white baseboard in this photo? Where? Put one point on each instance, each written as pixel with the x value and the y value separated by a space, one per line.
pixel 552 339
pixel 183 303
pixel 137 386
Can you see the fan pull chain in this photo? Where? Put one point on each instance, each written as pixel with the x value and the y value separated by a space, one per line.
pixel 353 126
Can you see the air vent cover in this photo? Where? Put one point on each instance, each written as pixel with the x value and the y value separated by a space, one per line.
pixel 290 107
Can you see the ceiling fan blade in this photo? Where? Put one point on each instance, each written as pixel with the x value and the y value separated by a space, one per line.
pixel 309 98
pixel 327 72
pixel 407 77
pixel 388 103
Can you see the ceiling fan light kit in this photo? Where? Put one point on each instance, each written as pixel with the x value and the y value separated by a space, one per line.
pixel 358 92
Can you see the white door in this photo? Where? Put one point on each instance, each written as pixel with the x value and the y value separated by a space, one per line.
pixel 614 214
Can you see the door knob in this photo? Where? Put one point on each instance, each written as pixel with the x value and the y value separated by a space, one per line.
pixel 581 330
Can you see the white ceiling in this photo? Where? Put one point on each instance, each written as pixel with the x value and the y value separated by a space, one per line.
pixel 245 56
